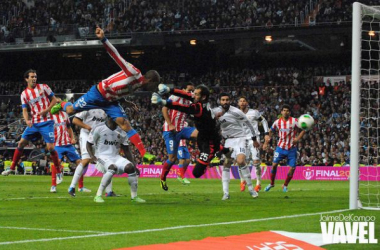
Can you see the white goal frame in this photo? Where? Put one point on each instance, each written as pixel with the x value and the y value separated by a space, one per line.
pixel 354 202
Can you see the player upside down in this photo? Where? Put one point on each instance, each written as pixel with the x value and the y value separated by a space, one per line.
pixel 106 94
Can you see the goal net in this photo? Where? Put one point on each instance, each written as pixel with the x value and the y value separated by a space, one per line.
pixel 365 109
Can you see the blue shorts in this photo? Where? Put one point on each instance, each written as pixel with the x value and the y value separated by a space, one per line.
pixel 94 100
pixel 290 154
pixel 183 153
pixel 172 138
pixel 46 129
pixel 69 151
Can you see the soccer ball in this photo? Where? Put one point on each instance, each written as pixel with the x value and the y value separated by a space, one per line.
pixel 305 122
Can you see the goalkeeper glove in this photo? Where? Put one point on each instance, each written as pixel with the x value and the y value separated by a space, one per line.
pixel 157 99
pixel 163 89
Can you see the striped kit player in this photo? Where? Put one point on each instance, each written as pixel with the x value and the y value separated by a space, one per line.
pixel 286 147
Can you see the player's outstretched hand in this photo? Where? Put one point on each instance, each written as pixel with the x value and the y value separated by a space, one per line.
pixel 157 99
pixel 163 89
pixel 99 32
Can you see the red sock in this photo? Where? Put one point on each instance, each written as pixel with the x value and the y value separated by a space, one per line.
pixel 288 179
pixel 54 157
pixel 16 157
pixel 165 169
pixel 182 171
pixel 53 176
pixel 80 182
pixel 136 140
pixel 273 175
pixel 63 104
pixel 59 170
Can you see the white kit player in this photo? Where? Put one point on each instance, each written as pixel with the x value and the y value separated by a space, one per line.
pixel 108 139
pixel 232 123
pixel 86 120
pixel 254 117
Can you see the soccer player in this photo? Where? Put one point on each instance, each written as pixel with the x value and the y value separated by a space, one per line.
pixel 174 130
pixel 286 147
pixel 106 94
pixel 108 139
pixel 86 120
pixel 233 123
pixel 40 99
pixel 208 138
pixel 254 117
pixel 64 140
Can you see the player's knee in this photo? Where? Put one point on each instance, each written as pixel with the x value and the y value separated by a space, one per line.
pixel 70 110
pixel 50 147
pixel 130 168
pixel 199 170
pixel 112 168
pixel 23 143
pixel 85 162
pixel 172 158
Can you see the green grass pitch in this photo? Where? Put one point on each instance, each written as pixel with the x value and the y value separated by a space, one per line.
pixel 29 213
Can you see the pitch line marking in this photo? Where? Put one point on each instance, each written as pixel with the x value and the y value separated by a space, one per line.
pixel 170 228
pixel 53 230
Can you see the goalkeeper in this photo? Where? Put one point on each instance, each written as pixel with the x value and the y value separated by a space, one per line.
pixel 208 137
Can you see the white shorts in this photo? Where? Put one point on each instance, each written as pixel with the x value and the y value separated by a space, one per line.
pixel 254 153
pixel 83 137
pixel 240 146
pixel 105 161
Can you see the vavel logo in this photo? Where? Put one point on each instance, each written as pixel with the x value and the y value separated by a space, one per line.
pixel 348 229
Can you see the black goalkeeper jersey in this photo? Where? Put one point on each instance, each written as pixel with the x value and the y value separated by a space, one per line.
pixel 201 114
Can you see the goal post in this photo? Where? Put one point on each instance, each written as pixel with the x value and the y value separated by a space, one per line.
pixel 365 107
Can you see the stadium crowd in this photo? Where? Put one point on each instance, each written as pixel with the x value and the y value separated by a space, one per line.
pixel 123 16
pixel 267 90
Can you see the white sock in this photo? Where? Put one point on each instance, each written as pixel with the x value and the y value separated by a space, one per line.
pixel 247 176
pixel 226 180
pixel 107 177
pixel 258 173
pixel 109 187
pixel 133 183
pixel 241 175
pixel 77 174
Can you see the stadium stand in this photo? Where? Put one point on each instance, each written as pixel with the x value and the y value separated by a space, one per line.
pixel 40 18
pixel 267 89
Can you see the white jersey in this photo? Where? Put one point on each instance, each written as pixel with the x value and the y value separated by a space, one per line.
pixel 233 122
pixel 92 118
pixel 254 116
pixel 107 142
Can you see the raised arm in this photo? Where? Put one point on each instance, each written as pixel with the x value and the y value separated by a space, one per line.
pixel 127 67
pixel 195 109
pixel 182 93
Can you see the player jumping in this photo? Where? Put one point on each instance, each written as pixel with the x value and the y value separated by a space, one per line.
pixel 106 94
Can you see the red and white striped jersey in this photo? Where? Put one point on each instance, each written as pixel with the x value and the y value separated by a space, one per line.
pixel 37 99
pixel 61 133
pixel 120 84
pixel 177 118
pixel 287 131
pixel 182 143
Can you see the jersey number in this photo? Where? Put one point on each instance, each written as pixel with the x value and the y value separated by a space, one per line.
pixel 81 102
pixel 203 156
